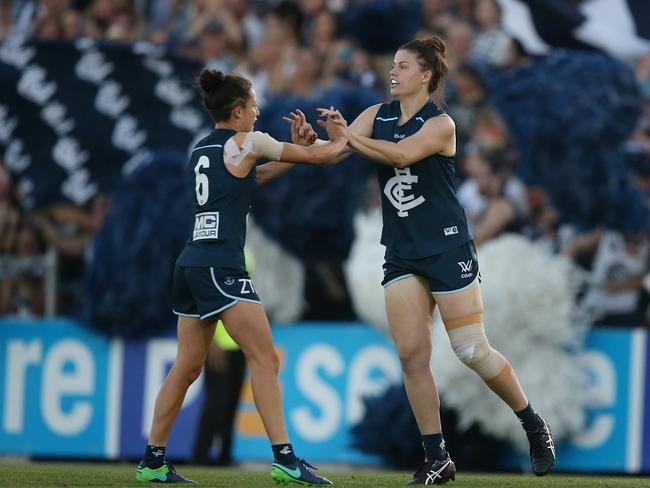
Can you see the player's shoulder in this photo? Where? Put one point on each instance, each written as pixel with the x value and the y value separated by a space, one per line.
pixel 387 110
pixel 434 116
pixel 211 141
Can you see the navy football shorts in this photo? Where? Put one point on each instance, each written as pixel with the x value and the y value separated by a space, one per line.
pixel 448 272
pixel 206 292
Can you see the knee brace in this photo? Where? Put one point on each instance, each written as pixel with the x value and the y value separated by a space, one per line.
pixel 473 349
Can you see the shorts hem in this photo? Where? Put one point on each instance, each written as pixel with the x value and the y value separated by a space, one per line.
pixel 394 280
pixel 207 315
pixel 457 290
pixel 186 314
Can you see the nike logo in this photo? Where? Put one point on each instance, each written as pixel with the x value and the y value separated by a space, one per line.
pixel 295 472
pixel 157 453
pixel 154 474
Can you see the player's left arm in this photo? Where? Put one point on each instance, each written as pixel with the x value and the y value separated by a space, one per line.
pixel 267 172
pixel 437 135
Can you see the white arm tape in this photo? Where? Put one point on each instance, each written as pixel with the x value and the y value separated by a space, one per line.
pixel 263 145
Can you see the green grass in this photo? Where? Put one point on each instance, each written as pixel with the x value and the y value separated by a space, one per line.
pixel 88 474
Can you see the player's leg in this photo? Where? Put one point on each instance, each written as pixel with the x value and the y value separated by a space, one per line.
pixel 462 314
pixel 410 307
pixel 194 338
pixel 247 324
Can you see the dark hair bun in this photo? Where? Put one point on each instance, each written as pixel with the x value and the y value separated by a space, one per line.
pixel 211 80
pixel 437 44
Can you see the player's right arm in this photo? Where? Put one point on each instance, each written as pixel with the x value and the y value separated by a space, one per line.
pixel 362 126
pixel 242 151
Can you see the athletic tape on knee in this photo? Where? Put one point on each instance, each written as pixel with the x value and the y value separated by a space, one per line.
pixel 473 318
pixel 473 349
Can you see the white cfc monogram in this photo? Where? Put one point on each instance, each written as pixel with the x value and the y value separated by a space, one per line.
pixel 396 189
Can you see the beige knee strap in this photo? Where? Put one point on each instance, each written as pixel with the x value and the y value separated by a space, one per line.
pixel 472 347
pixel 471 319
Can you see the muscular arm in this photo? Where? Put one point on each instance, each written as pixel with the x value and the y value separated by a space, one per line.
pixel 437 135
pixel 243 149
pixel 267 172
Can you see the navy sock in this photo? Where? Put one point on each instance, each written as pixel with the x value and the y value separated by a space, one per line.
pixel 154 456
pixel 434 447
pixel 283 454
pixel 529 419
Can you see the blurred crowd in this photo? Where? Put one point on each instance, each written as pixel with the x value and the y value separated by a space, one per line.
pixel 302 46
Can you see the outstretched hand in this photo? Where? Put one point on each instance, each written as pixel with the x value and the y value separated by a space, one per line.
pixel 302 132
pixel 335 125
pixel 333 115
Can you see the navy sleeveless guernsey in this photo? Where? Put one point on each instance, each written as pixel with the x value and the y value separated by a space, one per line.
pixel 221 203
pixel 421 214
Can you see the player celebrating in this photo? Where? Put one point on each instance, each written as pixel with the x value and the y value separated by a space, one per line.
pixel 210 279
pixel 430 257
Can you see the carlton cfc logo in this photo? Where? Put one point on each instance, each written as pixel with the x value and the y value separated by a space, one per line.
pixel 396 189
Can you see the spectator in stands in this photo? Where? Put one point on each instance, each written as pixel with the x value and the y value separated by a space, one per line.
pixel 9 213
pixel 125 26
pixel 305 76
pixel 5 18
pixel 69 229
pixel 213 47
pixel 489 131
pixel 459 44
pixel 493 198
pixel 467 99
pixel 22 290
pixel 543 226
pixel 49 28
pixel 323 33
pixel 619 271
pixel 491 44
pixel 248 22
pixel 435 17
pixel 72 24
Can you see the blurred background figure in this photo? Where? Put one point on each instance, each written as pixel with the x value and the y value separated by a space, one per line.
pixel 493 197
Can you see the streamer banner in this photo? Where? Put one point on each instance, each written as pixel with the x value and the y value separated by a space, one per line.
pixel 77 116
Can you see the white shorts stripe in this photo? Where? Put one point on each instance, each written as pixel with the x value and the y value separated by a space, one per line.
pixel 214 280
pixel 220 310
pixel 186 314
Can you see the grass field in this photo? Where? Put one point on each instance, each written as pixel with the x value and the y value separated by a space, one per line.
pixel 86 474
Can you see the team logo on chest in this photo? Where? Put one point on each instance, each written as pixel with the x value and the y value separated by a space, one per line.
pixel 396 189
